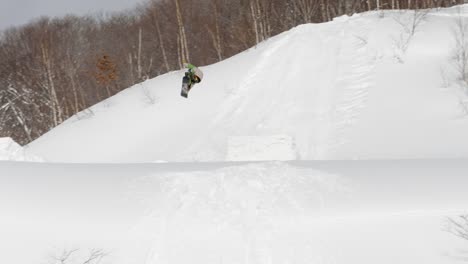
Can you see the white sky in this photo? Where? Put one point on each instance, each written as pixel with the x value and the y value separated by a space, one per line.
pixel 17 12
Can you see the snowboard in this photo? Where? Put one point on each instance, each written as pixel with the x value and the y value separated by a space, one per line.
pixel 185 87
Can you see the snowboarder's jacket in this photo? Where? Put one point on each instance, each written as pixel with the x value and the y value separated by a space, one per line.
pixel 195 74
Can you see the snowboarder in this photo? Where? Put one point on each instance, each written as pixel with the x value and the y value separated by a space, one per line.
pixel 192 76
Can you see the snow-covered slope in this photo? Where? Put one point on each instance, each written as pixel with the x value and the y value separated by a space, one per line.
pixel 348 89
pixel 10 150
pixel 330 212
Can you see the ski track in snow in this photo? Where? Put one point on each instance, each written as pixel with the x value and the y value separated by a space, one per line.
pixel 354 81
pixel 241 202
pixel 238 98
pixel 328 119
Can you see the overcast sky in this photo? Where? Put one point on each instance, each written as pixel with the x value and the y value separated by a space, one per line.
pixel 17 12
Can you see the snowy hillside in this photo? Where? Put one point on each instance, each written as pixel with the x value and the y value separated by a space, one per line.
pixel 360 121
pixel 360 87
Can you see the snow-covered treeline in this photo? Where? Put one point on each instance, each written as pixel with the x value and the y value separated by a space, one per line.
pixel 53 68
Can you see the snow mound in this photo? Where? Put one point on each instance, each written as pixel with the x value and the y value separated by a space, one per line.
pixel 360 87
pixel 12 151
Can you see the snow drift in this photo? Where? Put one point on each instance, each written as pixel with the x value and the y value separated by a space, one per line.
pixel 360 87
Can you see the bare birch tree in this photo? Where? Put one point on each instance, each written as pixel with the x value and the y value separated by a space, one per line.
pixel 182 37
pixel 307 9
pixel 216 32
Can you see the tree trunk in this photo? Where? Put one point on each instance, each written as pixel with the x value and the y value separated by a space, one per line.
pixel 253 12
pixel 161 45
pixel 216 35
pixel 185 56
pixel 55 105
pixel 139 68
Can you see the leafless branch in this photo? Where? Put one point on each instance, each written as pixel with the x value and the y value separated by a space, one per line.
pixel 409 28
pixel 94 256
pixel 65 256
pixel 458 226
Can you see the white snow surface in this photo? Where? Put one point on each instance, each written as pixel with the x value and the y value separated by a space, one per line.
pixel 279 147
pixel 338 212
pixel 367 142
pixel 340 90
pixel 10 150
